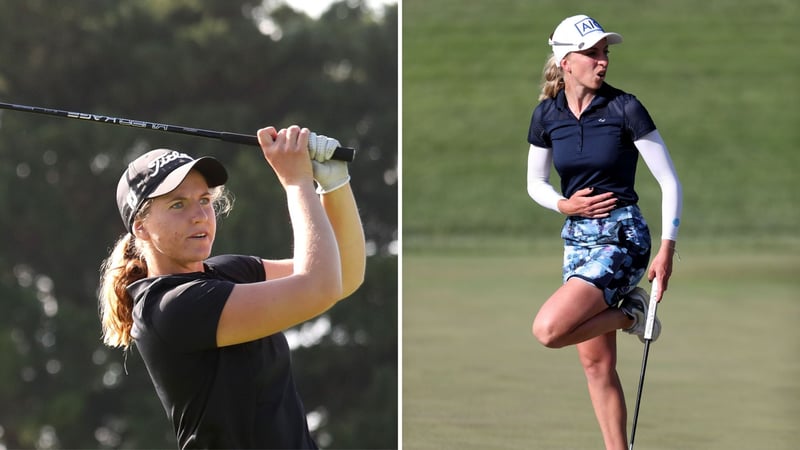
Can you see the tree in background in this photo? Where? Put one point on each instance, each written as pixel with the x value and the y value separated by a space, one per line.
pixel 199 63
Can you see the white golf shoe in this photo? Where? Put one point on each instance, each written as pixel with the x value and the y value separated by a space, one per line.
pixel 635 305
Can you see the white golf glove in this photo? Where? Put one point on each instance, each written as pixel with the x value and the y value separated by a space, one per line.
pixel 330 175
pixel 320 147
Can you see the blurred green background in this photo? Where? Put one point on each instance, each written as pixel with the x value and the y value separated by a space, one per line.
pixel 480 257
pixel 718 77
pixel 229 66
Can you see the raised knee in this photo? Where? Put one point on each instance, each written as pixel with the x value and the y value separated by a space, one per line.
pixel 545 333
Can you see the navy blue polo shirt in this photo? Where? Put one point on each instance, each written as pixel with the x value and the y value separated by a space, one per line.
pixel 596 150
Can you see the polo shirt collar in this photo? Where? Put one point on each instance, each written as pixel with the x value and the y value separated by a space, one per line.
pixel 601 97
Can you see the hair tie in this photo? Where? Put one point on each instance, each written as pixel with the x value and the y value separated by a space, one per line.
pixel 130 248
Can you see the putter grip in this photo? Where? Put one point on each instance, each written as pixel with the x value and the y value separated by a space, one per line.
pixel 346 154
pixel 651 311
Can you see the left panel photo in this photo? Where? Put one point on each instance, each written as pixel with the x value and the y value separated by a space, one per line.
pixel 201 225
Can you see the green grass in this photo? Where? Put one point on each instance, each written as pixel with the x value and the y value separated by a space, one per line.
pixel 725 373
pixel 719 77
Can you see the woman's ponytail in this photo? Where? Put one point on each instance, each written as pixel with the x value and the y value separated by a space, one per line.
pixel 124 266
pixel 552 79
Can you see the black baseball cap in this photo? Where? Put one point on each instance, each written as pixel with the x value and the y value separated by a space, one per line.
pixel 159 172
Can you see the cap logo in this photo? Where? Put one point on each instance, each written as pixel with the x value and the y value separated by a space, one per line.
pixel 588 25
pixel 157 164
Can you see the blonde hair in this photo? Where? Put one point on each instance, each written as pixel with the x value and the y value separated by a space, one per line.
pixel 552 79
pixel 125 265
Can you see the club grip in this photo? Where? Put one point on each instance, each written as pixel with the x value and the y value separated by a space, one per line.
pixel 346 154
pixel 651 311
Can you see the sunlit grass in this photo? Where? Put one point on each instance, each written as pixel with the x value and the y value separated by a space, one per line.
pixel 724 374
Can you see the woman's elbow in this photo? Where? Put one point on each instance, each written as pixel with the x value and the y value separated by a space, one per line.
pixel 333 288
pixel 354 266
pixel 351 283
pixel 324 287
pixel 534 189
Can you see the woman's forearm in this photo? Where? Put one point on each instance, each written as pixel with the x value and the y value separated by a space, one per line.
pixel 315 249
pixel 342 211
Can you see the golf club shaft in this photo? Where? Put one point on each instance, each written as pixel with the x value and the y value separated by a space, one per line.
pixel 340 154
pixel 639 393
pixel 648 338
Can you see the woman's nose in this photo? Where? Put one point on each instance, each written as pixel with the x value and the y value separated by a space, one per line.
pixel 200 213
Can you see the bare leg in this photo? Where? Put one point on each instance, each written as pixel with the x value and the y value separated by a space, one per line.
pixel 599 359
pixel 575 313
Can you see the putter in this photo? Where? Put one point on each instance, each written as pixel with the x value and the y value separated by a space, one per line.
pixel 648 337
pixel 340 153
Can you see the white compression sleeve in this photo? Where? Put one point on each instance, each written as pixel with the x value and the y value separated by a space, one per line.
pixel 655 155
pixel 539 188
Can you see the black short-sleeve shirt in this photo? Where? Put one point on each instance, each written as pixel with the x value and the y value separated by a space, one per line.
pixel 239 396
pixel 596 150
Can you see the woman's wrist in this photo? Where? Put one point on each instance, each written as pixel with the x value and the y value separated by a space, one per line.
pixel 668 245
pixel 561 205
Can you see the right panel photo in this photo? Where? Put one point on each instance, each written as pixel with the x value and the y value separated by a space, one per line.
pixel 598 226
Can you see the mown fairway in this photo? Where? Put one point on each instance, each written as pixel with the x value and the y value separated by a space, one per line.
pixel 725 373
